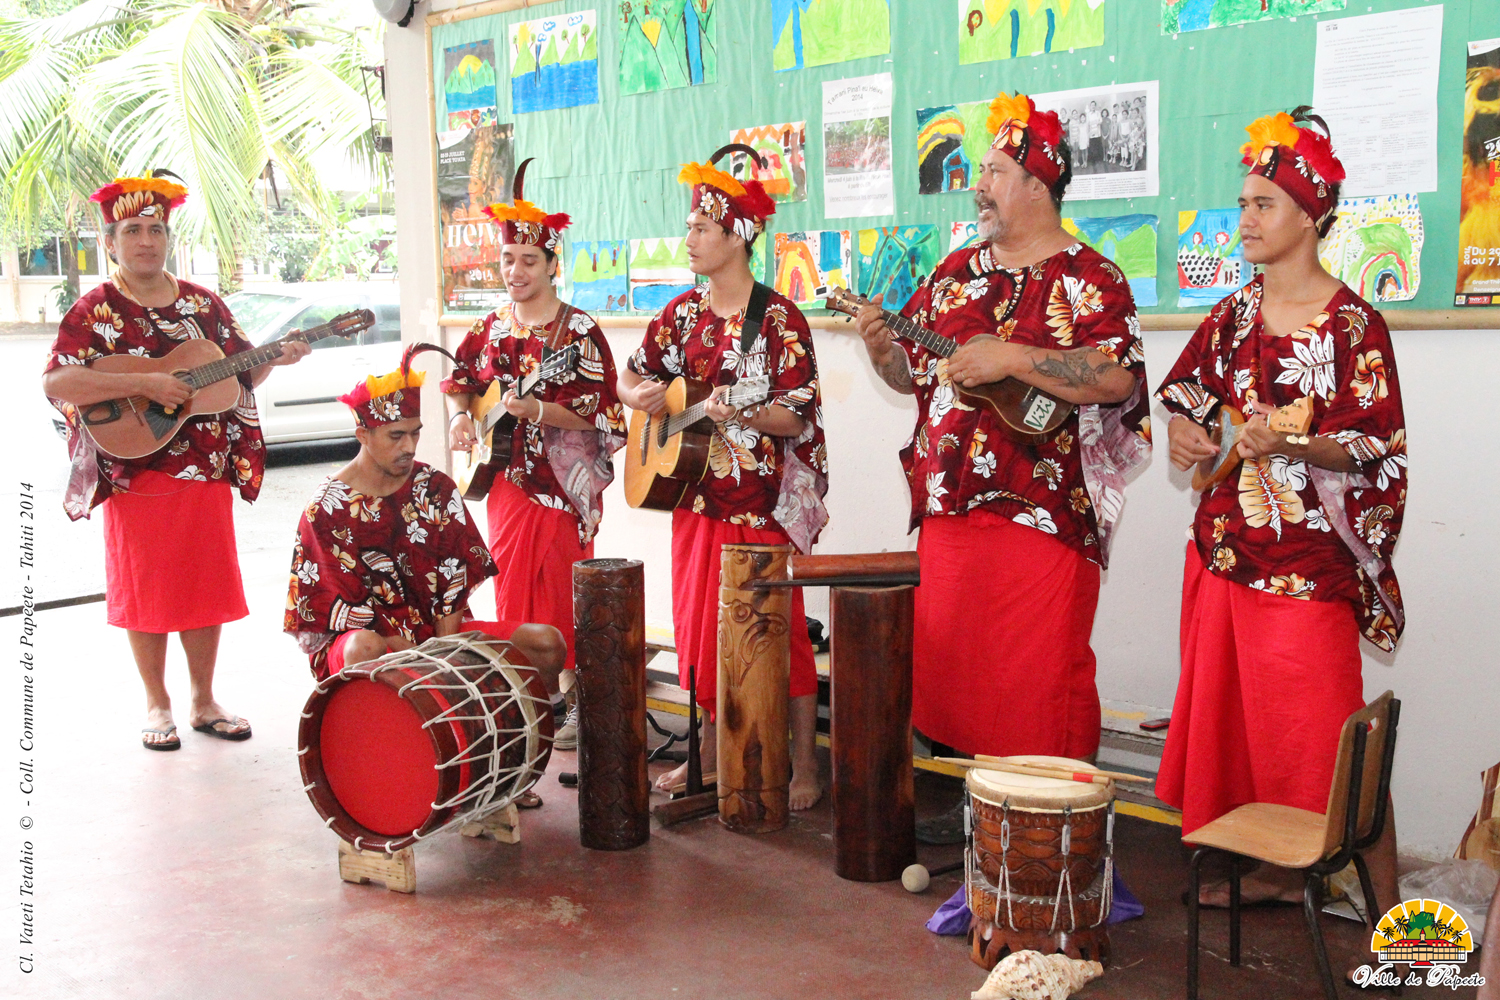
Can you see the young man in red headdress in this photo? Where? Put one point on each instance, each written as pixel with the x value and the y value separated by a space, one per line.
pixel 546 506
pixel 386 554
pixel 161 577
pixel 1016 525
pixel 768 463
pixel 1290 558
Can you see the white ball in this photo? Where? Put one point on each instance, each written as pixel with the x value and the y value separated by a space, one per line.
pixel 915 878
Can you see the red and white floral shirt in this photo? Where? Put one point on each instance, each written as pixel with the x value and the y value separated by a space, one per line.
pixel 394 564
pixel 562 469
pixel 224 446
pixel 1284 526
pixel 754 479
pixel 962 458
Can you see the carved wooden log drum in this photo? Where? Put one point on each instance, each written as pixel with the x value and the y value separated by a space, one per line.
pixel 755 768
pixel 1039 869
pixel 609 622
pixel 395 749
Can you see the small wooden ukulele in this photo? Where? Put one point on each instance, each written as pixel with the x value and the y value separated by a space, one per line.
pixel 135 426
pixel 1028 411
pixel 474 471
pixel 1293 420
pixel 667 454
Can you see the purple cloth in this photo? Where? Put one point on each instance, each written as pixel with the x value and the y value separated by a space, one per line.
pixel 953 916
pixel 1125 906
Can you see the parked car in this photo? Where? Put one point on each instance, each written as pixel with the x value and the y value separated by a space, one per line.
pixel 300 402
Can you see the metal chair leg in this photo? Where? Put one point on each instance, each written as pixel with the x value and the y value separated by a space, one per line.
pixel 1195 880
pixel 1373 912
pixel 1310 908
pixel 1234 911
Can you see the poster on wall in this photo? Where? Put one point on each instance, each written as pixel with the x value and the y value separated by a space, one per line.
pixel 469 84
pixel 894 259
pixel 1129 241
pixel 666 44
pixel 1375 247
pixel 1210 258
pixel 554 62
pixel 811 261
pixel 818 32
pixel 962 235
pixel 1478 207
pixel 781 146
pixel 1195 15
pixel 474 169
pixel 857 147
pixel 659 272
pixel 1007 29
pixel 598 276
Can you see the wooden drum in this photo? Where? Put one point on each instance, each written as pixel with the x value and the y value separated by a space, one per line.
pixel 395 749
pixel 1039 868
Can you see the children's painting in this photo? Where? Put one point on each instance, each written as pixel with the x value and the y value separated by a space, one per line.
pixel 818 32
pixel 598 277
pixel 659 272
pixel 1006 29
pixel 1129 241
pixel 1195 15
pixel 951 140
pixel 893 259
pixel 666 44
pixel 1375 247
pixel 962 235
pixel 759 255
pixel 554 62
pixel 1210 260
pixel 469 84
pixel 781 148
pixel 811 261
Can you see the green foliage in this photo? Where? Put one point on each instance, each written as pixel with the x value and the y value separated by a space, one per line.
pixel 355 247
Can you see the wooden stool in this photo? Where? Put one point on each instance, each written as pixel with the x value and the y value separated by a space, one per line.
pixel 398 872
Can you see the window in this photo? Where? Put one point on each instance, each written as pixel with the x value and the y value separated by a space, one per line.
pixel 41 261
pixel 317 315
pixel 387 328
pixel 46 260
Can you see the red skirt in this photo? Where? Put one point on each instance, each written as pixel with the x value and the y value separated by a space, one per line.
pixel 1001 662
pixel 170 563
pixel 335 660
pixel 535 548
pixel 1267 682
pixel 697 544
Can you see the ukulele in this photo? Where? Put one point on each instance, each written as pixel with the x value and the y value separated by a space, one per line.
pixel 666 454
pixel 1293 420
pixel 474 471
pixel 1026 410
pixel 135 426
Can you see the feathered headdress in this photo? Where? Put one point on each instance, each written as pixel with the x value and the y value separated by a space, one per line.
pixel 1299 160
pixel 397 395
pixel 741 207
pixel 1030 137
pixel 128 197
pixel 522 222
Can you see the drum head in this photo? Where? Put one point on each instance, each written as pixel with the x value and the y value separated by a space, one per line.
pixel 1029 791
pixel 379 761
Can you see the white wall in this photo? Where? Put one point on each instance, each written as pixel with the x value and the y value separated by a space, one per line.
pixel 1447 560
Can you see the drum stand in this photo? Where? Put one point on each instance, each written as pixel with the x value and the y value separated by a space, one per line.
pixel 398 872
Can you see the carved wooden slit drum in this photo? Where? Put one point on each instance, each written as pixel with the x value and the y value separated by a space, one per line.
pixel 395 749
pixel 609 628
pixel 1039 867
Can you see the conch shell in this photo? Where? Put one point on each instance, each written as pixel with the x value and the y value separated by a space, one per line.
pixel 1030 975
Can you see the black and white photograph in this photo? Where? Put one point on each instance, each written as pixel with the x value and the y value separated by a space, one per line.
pixel 1112 132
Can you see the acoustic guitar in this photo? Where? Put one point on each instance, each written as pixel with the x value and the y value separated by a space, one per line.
pixel 1029 412
pixel 1293 420
pixel 474 471
pixel 667 454
pixel 135 426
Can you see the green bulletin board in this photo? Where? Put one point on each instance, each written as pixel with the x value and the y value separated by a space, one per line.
pixel 613 165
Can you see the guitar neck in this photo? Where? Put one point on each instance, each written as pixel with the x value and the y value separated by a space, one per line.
pixel 226 367
pixel 681 421
pixel 910 330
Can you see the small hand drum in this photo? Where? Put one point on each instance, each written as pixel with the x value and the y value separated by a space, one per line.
pixel 395 749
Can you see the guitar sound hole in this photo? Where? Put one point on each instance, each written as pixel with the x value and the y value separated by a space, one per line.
pixel 646 439
pixel 661 435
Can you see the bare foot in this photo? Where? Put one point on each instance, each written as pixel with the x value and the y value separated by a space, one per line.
pixel 805 790
pixel 1253 892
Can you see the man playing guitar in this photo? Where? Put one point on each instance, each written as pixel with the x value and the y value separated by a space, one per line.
pixel 169 551
pixel 1016 525
pixel 545 508
pixel 767 462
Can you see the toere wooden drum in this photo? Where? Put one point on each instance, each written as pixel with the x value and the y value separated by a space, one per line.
pixel 394 749
pixel 1039 868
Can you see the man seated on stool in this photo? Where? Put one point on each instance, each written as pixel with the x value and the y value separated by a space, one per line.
pixel 386 553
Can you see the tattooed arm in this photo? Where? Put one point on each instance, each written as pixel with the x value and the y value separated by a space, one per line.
pixel 1083 375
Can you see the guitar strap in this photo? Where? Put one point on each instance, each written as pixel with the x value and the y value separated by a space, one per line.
pixel 755 314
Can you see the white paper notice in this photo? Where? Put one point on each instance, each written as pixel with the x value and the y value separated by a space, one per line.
pixel 1376 82
pixel 857 147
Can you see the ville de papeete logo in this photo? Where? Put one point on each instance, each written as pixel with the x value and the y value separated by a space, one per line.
pixel 1425 934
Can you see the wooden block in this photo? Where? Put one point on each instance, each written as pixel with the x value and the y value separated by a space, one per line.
pixel 502 825
pixel 398 872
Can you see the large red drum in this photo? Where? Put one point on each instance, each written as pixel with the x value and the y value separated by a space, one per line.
pixel 395 749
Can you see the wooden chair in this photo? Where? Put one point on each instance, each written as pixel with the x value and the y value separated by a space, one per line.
pixel 1319 844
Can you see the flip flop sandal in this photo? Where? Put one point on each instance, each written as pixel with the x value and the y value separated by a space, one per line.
pixel 174 743
pixel 208 728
